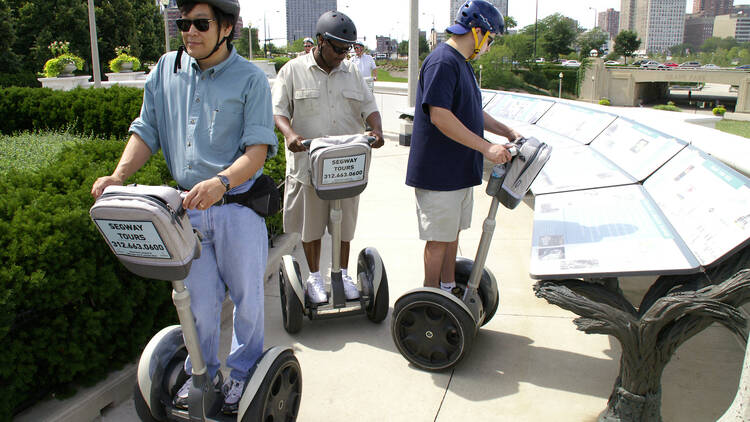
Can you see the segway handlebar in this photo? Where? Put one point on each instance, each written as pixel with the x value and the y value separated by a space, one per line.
pixel 370 140
pixel 513 149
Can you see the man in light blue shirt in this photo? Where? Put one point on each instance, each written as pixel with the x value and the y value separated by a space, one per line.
pixel 209 111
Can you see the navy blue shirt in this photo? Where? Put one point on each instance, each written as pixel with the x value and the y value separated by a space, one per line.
pixel 436 162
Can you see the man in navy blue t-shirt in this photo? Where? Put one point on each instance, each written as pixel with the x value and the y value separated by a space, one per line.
pixel 447 145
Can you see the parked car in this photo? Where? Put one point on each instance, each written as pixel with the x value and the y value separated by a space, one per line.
pixel 710 66
pixel 744 66
pixel 380 56
pixel 611 63
pixel 690 64
pixel 540 60
pixel 638 62
pixel 671 64
pixel 571 63
pixel 651 64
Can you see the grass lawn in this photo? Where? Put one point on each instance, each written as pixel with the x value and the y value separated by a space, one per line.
pixel 384 76
pixel 735 127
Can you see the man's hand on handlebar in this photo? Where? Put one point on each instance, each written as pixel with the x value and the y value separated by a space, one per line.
pixel 295 144
pixel 379 141
pixel 497 154
pixel 102 183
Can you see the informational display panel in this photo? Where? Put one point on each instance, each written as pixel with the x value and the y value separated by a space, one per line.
pixel 578 168
pixel 553 139
pixel 133 238
pixel 635 148
pixel 707 202
pixel 509 108
pixel 487 96
pixel 614 231
pixel 578 123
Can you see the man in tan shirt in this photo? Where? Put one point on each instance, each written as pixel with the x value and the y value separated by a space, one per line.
pixel 318 95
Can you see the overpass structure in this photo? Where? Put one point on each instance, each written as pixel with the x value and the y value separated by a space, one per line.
pixel 629 86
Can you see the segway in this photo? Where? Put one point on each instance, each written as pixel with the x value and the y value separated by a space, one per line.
pixel 434 329
pixel 150 233
pixel 339 169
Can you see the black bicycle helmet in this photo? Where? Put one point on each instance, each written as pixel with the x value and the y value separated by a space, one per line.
pixel 230 7
pixel 334 25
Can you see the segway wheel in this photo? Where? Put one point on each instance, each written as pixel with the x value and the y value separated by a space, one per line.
pixel 291 308
pixel 141 408
pixel 371 265
pixel 488 290
pixel 432 331
pixel 279 396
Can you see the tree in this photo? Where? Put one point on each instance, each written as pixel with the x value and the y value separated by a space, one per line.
pixel 714 43
pixel 591 40
pixel 626 43
pixel 296 46
pixel 241 42
pixel 560 35
pixel 8 59
pixel 520 47
pixel 403 48
pixel 680 49
pixel 510 22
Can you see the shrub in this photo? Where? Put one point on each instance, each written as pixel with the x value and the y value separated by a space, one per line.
pixel 604 102
pixel 69 311
pixel 719 110
pixel 667 107
pixel 25 79
pixel 63 56
pixel 279 62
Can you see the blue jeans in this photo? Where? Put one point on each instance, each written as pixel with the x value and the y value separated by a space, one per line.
pixel 235 248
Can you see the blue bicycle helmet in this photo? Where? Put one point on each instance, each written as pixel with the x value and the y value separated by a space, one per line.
pixel 477 14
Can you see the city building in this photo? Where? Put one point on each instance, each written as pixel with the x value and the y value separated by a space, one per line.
pixel 435 38
pixel 698 29
pixel 302 15
pixel 660 24
pixel 386 45
pixel 609 21
pixel 736 25
pixel 712 7
pixel 502 6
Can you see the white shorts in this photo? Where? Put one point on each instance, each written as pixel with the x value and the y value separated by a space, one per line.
pixel 442 214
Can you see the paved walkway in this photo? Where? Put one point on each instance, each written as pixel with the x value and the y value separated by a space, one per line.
pixel 528 363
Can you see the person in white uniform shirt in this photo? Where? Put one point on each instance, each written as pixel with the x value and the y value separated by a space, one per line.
pixel 364 62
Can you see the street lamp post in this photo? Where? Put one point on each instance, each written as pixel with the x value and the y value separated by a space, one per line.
pixel 536 21
pixel 164 5
pixel 94 46
pixel 594 9
pixel 480 76
pixel 559 88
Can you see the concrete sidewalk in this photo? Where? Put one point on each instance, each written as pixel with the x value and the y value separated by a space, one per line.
pixel 527 364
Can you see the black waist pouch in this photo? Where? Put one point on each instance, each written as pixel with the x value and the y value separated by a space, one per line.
pixel 263 197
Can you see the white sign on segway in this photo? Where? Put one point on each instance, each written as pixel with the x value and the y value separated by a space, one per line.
pixel 133 238
pixel 344 169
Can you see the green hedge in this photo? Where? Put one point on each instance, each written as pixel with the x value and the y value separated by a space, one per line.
pixel 25 79
pixel 102 112
pixel 69 312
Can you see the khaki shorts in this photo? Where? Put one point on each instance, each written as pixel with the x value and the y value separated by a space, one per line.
pixel 441 214
pixel 307 214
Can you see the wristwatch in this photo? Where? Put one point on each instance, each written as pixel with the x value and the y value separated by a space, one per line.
pixel 224 181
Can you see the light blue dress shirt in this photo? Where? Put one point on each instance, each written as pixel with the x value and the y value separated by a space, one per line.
pixel 203 120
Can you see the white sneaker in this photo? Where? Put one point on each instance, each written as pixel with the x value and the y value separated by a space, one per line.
pixel 180 400
pixel 316 290
pixel 232 390
pixel 350 289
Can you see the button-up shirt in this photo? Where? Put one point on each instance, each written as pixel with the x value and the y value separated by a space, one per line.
pixel 203 120
pixel 320 104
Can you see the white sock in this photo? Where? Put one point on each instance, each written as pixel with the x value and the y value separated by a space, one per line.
pixel 447 286
pixel 343 272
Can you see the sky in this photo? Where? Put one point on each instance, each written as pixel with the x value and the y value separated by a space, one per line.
pixel 391 17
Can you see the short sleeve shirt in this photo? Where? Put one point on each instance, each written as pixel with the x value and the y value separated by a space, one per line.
pixel 320 104
pixel 436 162
pixel 203 120
pixel 365 65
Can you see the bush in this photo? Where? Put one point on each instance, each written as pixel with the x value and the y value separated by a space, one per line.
pixel 25 79
pixel 279 62
pixel 604 102
pixel 69 311
pixel 719 110
pixel 536 78
pixel 102 112
pixel 667 107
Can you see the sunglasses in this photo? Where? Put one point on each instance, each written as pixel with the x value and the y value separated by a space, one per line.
pixel 338 50
pixel 201 25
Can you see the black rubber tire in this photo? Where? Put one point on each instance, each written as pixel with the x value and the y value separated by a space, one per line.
pixel 279 396
pixel 291 308
pixel 141 408
pixel 488 289
pixel 431 331
pixel 377 307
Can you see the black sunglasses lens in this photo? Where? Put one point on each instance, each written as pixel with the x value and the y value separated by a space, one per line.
pixel 202 24
pixel 184 24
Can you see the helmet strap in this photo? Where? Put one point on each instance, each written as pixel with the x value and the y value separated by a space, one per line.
pixel 477 44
